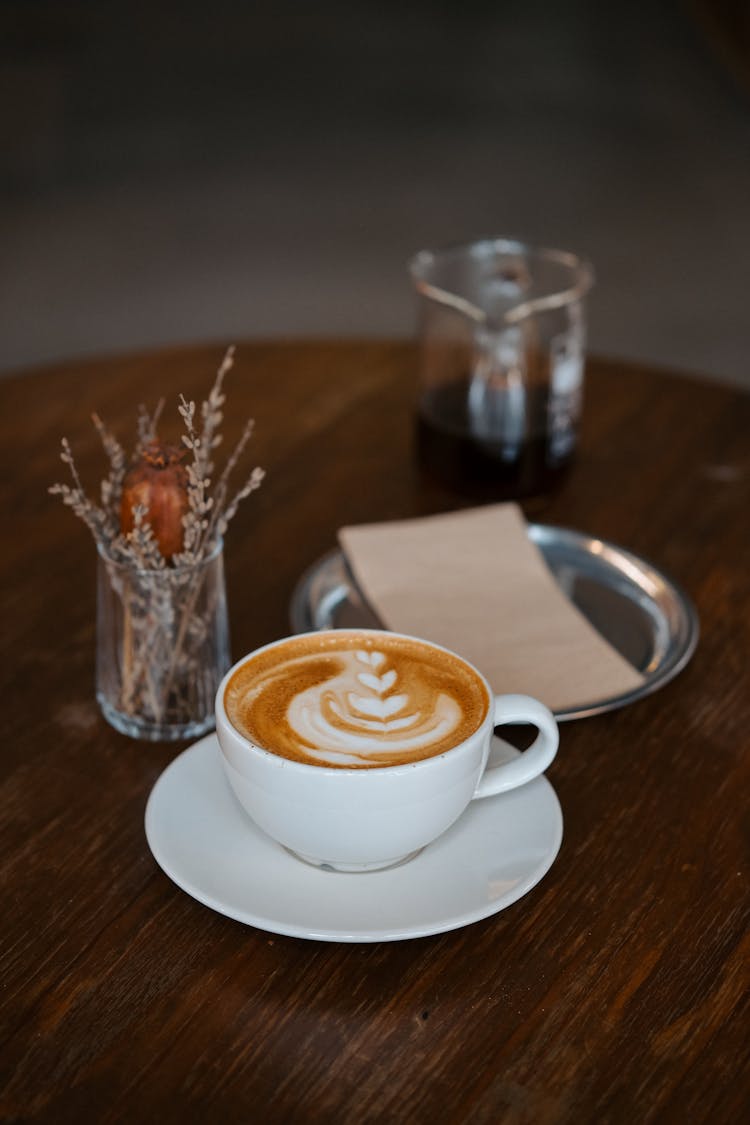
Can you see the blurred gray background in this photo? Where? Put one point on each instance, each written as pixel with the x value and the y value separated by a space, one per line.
pixel 172 172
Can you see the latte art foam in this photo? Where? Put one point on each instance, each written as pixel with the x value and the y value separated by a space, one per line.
pixel 353 699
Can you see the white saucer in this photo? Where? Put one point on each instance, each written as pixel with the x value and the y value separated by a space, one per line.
pixel 204 841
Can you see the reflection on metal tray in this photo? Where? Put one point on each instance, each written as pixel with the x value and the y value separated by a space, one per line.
pixel 640 611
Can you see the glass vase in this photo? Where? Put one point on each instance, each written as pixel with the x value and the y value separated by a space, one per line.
pixel 162 646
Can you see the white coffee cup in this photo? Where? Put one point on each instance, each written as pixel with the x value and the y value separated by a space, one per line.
pixel 354 819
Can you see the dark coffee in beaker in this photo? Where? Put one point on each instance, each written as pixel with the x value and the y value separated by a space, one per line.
pixel 530 457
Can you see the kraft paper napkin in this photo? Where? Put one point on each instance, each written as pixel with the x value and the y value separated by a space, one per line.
pixel 474 582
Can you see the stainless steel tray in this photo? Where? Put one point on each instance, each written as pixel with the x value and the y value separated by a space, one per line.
pixel 637 608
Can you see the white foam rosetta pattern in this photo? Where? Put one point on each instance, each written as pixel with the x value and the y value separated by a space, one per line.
pixel 361 715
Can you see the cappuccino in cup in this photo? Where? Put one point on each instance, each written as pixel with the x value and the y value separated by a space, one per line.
pixel 354 749
pixel 350 699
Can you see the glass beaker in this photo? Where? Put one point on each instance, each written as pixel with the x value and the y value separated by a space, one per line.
pixel 502 337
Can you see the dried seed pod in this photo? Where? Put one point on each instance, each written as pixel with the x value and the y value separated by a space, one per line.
pixel 158 482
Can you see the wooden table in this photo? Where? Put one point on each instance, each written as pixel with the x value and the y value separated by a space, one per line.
pixel 615 991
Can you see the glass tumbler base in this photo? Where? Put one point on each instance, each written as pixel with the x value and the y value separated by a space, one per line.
pixel 153 732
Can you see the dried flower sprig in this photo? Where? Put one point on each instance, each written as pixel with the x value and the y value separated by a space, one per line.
pixel 111 486
pixel 142 542
pixel 206 514
pixel 146 425
pixel 97 519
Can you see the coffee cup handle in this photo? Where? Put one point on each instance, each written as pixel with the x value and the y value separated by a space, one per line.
pixel 534 760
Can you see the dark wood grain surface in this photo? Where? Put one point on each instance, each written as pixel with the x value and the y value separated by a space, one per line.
pixel 617 990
